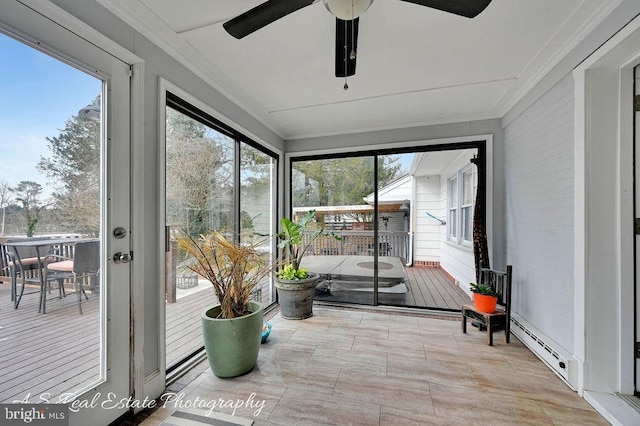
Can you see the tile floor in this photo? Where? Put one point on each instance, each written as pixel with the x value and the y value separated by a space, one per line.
pixel 356 367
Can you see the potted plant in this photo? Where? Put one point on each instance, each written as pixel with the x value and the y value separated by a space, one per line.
pixel 296 286
pixel 232 329
pixel 484 298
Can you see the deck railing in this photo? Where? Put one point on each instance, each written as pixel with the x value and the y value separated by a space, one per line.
pixel 361 243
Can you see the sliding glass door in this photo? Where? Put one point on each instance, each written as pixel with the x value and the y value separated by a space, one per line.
pixel 215 179
pixel 405 222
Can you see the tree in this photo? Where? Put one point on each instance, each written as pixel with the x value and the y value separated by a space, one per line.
pixel 4 201
pixel 199 175
pixel 340 182
pixel 28 193
pixel 74 164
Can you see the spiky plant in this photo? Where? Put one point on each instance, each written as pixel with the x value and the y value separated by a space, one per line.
pixel 234 269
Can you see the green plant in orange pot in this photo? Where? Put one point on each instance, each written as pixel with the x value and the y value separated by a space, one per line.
pixel 484 298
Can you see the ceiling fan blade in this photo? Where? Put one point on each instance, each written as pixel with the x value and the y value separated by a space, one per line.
pixel 346 42
pixel 467 8
pixel 262 15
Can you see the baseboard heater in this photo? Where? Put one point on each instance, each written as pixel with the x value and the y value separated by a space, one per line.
pixel 556 358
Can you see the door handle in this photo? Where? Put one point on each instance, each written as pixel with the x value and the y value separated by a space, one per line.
pixel 120 257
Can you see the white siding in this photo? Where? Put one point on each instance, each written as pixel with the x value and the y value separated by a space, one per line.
pixel 539 212
pixel 456 259
pixel 427 237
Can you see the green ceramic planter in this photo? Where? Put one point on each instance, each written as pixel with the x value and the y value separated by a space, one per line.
pixel 232 345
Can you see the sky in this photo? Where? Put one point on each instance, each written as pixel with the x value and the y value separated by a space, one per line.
pixel 37 94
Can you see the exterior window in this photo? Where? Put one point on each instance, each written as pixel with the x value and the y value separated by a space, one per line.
pixel 461 196
pixel 453 208
pixel 467 204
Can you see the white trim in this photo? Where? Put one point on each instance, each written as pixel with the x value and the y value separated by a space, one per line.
pixel 579 233
pixel 603 111
pixel 193 100
pixel 157 31
pixel 613 409
pixel 606 8
pixel 81 29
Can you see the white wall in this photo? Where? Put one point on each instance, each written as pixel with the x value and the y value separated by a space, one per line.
pixel 539 212
pixel 456 259
pixel 428 237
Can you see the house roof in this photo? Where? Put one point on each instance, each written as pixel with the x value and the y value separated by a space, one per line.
pixel 396 192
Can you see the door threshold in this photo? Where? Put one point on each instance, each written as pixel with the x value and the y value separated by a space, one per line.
pixel 615 408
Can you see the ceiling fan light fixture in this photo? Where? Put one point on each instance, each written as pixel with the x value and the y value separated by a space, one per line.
pixel 347 9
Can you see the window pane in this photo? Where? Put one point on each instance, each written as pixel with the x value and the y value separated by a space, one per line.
pixel 453 192
pixel 467 219
pixel 51 203
pixel 257 178
pixel 199 198
pixel 452 223
pixel 467 187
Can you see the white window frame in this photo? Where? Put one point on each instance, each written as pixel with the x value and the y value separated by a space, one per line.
pixel 452 208
pixel 455 220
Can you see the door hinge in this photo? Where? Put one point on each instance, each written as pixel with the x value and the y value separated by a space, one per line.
pixel 636 103
pixel 636 225
pixel 637 350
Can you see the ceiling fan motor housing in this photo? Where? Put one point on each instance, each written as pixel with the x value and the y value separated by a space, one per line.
pixel 347 9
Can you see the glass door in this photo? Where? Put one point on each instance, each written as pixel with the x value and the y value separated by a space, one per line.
pixel 340 191
pixel 405 220
pixel 426 228
pixel 64 191
pixel 394 242
pixel 215 180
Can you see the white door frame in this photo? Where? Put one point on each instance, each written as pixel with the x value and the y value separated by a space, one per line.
pixel 604 237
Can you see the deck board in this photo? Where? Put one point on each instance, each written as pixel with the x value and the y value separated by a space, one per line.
pixel 433 288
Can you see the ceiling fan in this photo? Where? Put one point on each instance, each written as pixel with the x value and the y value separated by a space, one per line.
pixel 347 14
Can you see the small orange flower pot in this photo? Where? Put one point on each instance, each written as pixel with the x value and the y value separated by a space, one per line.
pixel 484 303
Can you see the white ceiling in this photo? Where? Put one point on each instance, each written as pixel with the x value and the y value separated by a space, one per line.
pixel 415 65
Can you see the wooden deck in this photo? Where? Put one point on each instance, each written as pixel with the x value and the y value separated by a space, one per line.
pixel 433 288
pixel 57 352
pixel 427 288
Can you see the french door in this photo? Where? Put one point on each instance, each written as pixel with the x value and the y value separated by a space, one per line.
pixel 87 362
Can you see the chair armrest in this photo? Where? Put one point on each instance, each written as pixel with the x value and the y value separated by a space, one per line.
pixel 50 258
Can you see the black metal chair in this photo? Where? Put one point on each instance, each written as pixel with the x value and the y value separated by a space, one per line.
pixel 84 264
pixel 24 262
pixel 501 319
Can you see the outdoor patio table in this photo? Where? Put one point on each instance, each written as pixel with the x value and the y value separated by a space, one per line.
pixel 39 246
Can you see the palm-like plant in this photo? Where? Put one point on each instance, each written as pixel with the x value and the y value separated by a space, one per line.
pixel 294 247
pixel 234 269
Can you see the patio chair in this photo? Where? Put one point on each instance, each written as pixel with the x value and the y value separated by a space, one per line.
pixel 23 262
pixel 501 319
pixel 85 264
